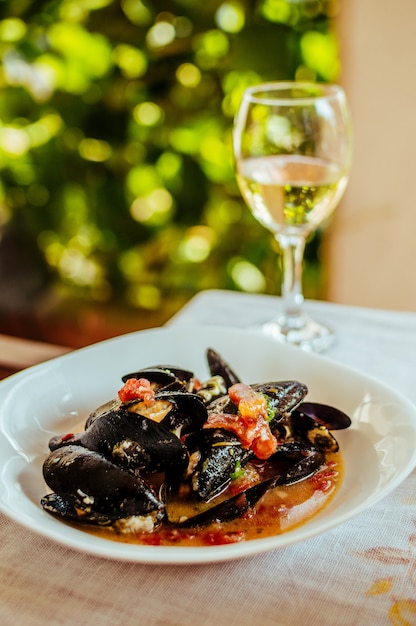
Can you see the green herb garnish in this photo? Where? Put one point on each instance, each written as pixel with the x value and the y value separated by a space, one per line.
pixel 238 471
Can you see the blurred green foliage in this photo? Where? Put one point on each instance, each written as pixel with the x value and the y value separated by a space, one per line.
pixel 115 152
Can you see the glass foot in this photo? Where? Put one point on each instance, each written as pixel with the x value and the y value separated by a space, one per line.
pixel 308 335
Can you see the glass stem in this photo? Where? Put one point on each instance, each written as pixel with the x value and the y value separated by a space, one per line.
pixel 292 248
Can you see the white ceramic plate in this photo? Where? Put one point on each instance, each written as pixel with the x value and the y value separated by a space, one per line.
pixel 52 398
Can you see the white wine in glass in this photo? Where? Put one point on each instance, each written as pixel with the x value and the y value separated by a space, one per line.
pixel 292 148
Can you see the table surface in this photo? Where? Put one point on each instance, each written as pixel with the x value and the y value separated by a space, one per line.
pixel 360 573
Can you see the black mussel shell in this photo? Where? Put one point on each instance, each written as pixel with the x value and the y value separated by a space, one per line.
pixel 305 428
pixel 156 447
pixel 220 453
pixel 223 404
pixel 329 416
pixel 111 405
pixel 283 396
pixel 175 410
pixel 218 367
pixel 298 461
pixel 92 484
pixel 188 410
pixel 58 506
pixel 164 376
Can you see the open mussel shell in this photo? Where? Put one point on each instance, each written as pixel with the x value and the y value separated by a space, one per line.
pixel 313 422
pixel 163 376
pixel 103 409
pixel 219 454
pixel 223 404
pixel 300 461
pixel 219 367
pixel 283 396
pixel 94 486
pixel 131 440
pixel 187 410
pixel 329 416
pixel 60 507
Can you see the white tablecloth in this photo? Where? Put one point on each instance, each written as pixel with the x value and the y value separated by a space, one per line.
pixel 360 573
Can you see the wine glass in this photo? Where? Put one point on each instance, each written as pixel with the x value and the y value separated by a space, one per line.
pixel 292 148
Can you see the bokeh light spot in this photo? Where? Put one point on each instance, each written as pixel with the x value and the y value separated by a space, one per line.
pixel 12 29
pixel 319 52
pixel 185 140
pixel 277 11
pixel 304 73
pixel 131 263
pixel 144 296
pixel 94 150
pixel 137 12
pixel 188 75
pixel 81 270
pixel 131 61
pixel 142 179
pixel 44 129
pixel 154 207
pixel 247 276
pixel 197 244
pixel 169 165
pixel 160 35
pixel 148 114
pixel 211 47
pixel 230 17
pixel 14 141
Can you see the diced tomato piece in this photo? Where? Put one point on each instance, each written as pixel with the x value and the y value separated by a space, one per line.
pixel 137 389
pixel 265 444
pixel 241 391
pixel 250 424
pixel 234 423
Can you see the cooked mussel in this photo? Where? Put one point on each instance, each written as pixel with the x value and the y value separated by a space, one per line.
pixel 163 376
pixel 176 410
pixel 130 439
pixel 58 506
pixel 329 416
pixel 282 397
pixel 97 490
pixel 219 454
pixel 298 461
pixel 313 422
pixel 219 367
